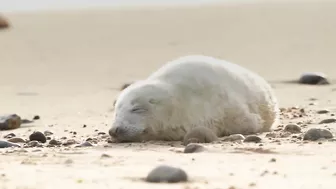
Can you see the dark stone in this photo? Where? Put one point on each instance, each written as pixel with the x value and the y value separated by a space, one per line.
pixel 329 120
pixel 313 79
pixel 252 138
pixel 316 134
pixel 322 111
pixel 38 136
pixel 167 174
pixel 37 117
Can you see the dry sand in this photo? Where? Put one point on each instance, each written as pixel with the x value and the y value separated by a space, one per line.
pixel 67 68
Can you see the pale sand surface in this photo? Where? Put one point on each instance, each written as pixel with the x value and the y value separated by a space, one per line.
pixel 67 68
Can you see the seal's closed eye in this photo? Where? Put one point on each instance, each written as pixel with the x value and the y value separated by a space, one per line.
pixel 138 110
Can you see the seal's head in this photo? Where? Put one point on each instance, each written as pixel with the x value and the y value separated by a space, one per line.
pixel 140 111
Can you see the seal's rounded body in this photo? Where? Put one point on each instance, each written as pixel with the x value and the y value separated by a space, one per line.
pixel 194 91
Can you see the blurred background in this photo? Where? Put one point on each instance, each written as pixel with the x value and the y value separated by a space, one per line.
pixel 68 47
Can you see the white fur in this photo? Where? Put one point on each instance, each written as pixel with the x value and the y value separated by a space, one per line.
pixel 195 91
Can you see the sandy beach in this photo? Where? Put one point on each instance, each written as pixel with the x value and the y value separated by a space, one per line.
pixel 67 67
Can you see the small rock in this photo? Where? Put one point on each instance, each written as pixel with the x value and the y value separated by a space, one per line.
pixel 167 174
pixel 11 121
pixel 48 133
pixel 330 120
pixel 68 161
pixel 16 140
pixel 234 137
pixel 273 160
pixel 3 23
pixel 322 111
pixel 193 148
pixel 199 135
pixel 6 144
pixel 37 117
pixel 55 142
pixel 313 79
pixel 34 143
pixel 105 156
pixel 316 134
pixel 38 136
pixel 292 128
pixel 84 144
pixel 10 135
pixel 70 142
pixel 252 138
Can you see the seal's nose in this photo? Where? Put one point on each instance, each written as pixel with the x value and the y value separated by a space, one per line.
pixel 115 131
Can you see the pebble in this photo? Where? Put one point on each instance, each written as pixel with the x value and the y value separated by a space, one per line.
pixel 70 142
pixel 38 136
pixel 164 173
pixel 316 134
pixel 37 117
pixel 8 122
pixel 193 148
pixel 292 128
pixel 55 142
pixel 3 23
pixel 322 111
pixel 252 138
pixel 199 135
pixel 10 135
pixel 105 156
pixel 234 137
pixel 313 79
pixel 16 140
pixel 6 144
pixel 84 144
pixel 329 120
pixel 48 133
pixel 33 143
